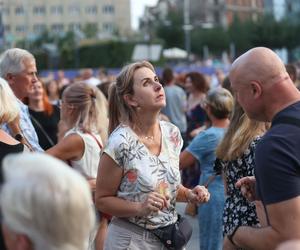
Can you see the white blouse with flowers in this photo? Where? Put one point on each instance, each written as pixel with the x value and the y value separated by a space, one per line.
pixel 144 172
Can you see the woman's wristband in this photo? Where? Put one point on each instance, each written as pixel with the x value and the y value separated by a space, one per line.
pixel 230 236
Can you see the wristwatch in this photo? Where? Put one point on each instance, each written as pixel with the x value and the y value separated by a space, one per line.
pixel 19 137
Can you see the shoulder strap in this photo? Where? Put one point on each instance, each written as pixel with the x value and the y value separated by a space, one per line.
pixel 287 120
pixel 42 130
pixel 99 144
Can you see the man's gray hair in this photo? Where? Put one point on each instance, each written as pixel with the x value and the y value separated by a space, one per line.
pixel 47 201
pixel 12 61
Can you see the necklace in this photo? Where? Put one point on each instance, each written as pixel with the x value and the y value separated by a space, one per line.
pixel 150 137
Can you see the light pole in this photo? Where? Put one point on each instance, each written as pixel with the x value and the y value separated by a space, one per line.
pixel 187 27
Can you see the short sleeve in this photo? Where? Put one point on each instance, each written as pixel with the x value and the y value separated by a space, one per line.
pixel 119 147
pixel 277 170
pixel 199 145
pixel 174 139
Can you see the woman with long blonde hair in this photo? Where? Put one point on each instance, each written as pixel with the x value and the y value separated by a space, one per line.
pixel 236 155
pixel 84 116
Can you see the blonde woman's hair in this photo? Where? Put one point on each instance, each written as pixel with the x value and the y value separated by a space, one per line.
pixel 9 108
pixel 89 108
pixel 119 110
pixel 241 132
pixel 220 102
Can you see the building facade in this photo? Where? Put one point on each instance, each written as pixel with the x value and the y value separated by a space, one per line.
pixel 29 18
pixel 211 13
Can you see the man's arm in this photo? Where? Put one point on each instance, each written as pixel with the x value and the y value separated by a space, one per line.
pixel 284 225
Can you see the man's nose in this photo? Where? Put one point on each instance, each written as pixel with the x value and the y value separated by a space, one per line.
pixel 34 78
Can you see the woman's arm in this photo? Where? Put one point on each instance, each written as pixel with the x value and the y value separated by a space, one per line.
pixel 70 147
pixel 186 160
pixel 108 181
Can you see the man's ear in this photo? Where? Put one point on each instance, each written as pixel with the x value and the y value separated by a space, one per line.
pixel 9 77
pixel 256 89
pixel 130 100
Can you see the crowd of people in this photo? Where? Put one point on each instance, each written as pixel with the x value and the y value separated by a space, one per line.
pixel 99 162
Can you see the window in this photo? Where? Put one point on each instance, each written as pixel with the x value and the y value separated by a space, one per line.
pixel 57 28
pixel 57 10
pixel 91 10
pixel 108 27
pixel 20 28
pixel 6 11
pixel 19 10
pixel 39 28
pixel 74 10
pixel 74 26
pixel 39 10
pixel 7 28
pixel 108 9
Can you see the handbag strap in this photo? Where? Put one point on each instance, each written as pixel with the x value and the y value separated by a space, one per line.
pixel 99 144
pixel 42 129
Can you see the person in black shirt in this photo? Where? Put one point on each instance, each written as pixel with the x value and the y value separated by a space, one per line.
pixel 44 116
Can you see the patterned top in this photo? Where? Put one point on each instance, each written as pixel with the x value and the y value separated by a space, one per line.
pixel 145 172
pixel 237 210
pixel 27 128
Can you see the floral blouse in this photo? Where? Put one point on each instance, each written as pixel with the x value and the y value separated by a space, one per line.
pixel 237 210
pixel 144 172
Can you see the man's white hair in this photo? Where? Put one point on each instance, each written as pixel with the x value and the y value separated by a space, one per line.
pixel 47 201
pixel 12 61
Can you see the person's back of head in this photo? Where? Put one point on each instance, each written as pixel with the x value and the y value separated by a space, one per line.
pixel 46 203
pixel 167 76
pixel 89 112
pixel 220 102
pixel 12 61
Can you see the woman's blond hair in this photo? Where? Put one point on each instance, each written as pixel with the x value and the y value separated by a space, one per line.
pixel 119 110
pixel 241 132
pixel 9 108
pixel 89 108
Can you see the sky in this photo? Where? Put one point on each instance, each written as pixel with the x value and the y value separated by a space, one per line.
pixel 137 10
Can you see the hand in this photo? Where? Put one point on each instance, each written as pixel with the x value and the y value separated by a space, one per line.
pixel 153 203
pixel 198 194
pixel 227 245
pixel 247 186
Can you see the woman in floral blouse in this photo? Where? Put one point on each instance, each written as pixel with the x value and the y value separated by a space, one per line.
pixel 139 179
pixel 236 154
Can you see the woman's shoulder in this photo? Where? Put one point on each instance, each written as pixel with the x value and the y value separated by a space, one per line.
pixel 121 134
pixel 166 125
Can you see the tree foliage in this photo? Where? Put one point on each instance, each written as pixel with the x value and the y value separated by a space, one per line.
pixel 266 31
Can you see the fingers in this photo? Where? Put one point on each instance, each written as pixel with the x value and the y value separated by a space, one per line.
pixel 153 204
pixel 248 180
pixel 200 194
